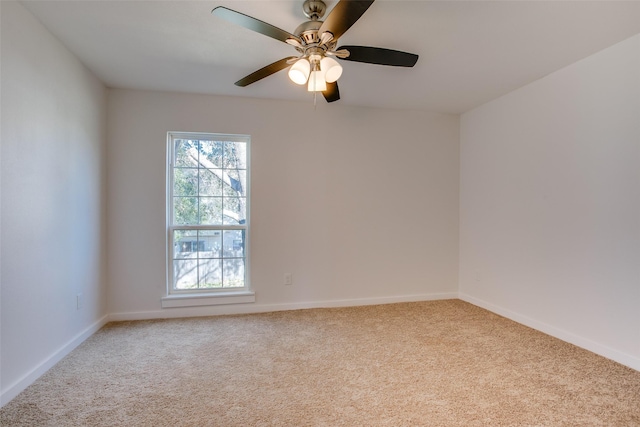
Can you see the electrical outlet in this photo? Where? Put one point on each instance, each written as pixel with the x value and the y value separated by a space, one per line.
pixel 288 279
pixel 78 301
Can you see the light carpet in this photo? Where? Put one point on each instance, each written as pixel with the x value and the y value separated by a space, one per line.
pixel 437 363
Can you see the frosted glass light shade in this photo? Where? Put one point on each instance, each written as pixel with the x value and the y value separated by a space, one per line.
pixel 317 82
pixel 332 70
pixel 299 72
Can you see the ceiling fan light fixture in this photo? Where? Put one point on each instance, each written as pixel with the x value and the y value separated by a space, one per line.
pixel 299 72
pixel 317 82
pixel 332 70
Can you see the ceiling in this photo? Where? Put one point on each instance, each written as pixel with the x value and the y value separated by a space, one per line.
pixel 470 51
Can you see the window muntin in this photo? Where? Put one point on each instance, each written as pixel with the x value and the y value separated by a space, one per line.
pixel 208 212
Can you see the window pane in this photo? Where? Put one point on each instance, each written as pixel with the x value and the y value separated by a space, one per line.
pixel 185 210
pixel 210 182
pixel 235 155
pixel 183 244
pixel 185 182
pixel 211 153
pixel 210 210
pixel 185 274
pixel 210 242
pixel 183 153
pixel 210 273
pixel 233 273
pixel 234 210
pixel 233 244
pixel 236 183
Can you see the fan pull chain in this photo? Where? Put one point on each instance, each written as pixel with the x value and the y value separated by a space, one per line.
pixel 315 93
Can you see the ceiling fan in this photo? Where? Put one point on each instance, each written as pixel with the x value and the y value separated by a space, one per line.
pixel 316 42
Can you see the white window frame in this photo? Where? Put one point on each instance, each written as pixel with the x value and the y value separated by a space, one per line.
pixel 215 296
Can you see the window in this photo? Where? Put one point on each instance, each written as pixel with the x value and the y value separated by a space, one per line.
pixel 207 210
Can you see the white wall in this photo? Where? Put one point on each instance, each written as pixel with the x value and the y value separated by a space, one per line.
pixel 550 204
pixel 53 214
pixel 361 205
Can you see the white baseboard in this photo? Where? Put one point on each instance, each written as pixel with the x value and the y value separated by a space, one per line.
pixel 14 389
pixel 585 343
pixel 168 313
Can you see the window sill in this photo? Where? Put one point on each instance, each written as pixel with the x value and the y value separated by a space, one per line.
pixel 196 300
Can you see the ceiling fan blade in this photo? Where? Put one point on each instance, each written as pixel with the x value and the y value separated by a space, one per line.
pixel 264 72
pixel 343 16
pixel 381 56
pixel 253 24
pixel 332 93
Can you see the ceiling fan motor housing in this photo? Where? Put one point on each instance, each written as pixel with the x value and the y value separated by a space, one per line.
pixel 308 32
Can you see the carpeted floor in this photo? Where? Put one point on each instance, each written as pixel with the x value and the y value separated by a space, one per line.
pixel 438 363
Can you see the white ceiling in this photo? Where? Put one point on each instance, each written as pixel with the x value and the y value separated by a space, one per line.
pixel 470 51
